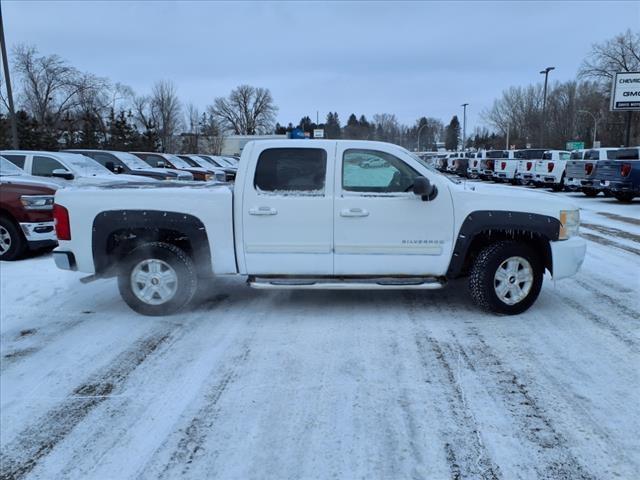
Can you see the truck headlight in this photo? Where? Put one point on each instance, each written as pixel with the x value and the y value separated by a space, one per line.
pixel 569 223
pixel 37 202
pixel 207 177
pixel 221 177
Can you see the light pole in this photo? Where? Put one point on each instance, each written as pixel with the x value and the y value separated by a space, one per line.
pixel 5 64
pixel 464 125
pixel 595 125
pixel 419 131
pixel 545 72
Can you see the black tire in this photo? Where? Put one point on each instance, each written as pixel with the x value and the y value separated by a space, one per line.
pixel 558 187
pixel 16 242
pixel 185 286
pixel 590 192
pixel 624 197
pixel 482 283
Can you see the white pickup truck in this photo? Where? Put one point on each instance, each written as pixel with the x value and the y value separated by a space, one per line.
pixel 314 214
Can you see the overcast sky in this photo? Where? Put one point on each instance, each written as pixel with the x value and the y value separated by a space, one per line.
pixel 411 59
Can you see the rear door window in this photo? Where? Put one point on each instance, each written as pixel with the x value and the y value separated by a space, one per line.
pixel 289 170
pixel 17 160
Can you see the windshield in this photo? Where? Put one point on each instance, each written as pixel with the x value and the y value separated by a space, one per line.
pixel 497 154
pixel 212 161
pixel 529 154
pixel 627 154
pixel 8 168
pixel 189 160
pixel 83 165
pixel 577 155
pixel 178 162
pixel 131 161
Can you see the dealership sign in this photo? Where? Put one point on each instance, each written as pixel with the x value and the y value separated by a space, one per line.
pixel 318 133
pixel 625 91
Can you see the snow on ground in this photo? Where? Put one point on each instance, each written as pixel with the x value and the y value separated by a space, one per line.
pixel 257 384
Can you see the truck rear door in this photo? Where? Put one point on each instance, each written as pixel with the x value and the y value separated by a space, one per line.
pixel 287 211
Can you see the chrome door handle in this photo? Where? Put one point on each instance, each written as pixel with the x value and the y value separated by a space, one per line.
pixel 354 212
pixel 263 211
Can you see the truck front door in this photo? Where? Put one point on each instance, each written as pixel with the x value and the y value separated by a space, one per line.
pixel 287 216
pixel 381 226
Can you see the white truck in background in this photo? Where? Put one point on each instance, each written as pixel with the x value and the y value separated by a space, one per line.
pixel 323 214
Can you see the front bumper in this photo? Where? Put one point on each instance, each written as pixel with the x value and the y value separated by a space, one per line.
pixel 65 260
pixel 40 232
pixel 567 256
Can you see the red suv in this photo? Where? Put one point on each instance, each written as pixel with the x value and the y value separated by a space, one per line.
pixel 26 212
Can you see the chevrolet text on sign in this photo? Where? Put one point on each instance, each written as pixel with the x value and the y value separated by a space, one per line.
pixel 625 92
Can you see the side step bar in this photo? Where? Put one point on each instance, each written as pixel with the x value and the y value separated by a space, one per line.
pixel 386 283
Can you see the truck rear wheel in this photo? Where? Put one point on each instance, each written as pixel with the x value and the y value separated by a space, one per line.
pixel 157 279
pixel 12 241
pixel 625 197
pixel 506 278
pixel 590 192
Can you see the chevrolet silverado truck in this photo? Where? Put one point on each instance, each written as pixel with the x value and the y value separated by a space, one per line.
pixel 580 173
pixel 549 171
pixel 621 177
pixel 309 215
pixel 526 163
pixel 26 212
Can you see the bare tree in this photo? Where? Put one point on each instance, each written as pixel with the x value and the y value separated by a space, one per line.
pixel 213 134
pixel 166 113
pixel 618 54
pixel 246 111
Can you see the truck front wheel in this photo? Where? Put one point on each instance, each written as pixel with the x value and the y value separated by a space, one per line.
pixel 157 279
pixel 506 278
pixel 12 241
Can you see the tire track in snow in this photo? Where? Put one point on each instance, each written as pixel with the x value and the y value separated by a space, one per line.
pixel 193 437
pixel 621 218
pixel 614 232
pixel 22 455
pixel 554 459
pixel 609 243
pixel 600 295
pixel 465 451
pixel 602 322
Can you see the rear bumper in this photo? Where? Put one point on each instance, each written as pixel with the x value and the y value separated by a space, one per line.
pixel 617 186
pixel 504 175
pixel 567 256
pixel 65 260
pixel 39 234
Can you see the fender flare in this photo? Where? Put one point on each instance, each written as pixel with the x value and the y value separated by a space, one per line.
pixel 486 221
pixel 110 221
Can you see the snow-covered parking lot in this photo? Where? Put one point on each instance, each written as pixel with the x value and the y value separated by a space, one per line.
pixel 320 384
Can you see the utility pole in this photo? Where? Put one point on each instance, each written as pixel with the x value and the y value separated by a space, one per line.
pixel 507 143
pixel 464 125
pixel 545 72
pixel 5 64
pixel 627 136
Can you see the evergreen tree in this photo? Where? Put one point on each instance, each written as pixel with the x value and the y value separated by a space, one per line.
pixel 332 126
pixel 452 134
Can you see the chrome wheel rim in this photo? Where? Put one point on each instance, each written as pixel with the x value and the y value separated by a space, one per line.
pixel 5 240
pixel 154 281
pixel 513 280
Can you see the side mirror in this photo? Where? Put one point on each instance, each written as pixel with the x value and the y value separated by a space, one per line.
pixel 422 186
pixel 161 164
pixel 62 173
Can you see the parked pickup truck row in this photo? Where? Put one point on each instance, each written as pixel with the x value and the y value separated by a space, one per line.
pixel 322 214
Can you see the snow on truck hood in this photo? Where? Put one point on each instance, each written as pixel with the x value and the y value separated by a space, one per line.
pixel 484 196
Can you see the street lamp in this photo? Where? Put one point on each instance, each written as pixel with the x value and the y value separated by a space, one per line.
pixel 545 72
pixel 464 125
pixel 595 125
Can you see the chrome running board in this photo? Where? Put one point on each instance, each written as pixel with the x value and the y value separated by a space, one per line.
pixel 384 283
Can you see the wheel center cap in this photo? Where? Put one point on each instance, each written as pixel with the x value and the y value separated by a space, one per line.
pixel 155 281
pixel 512 279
